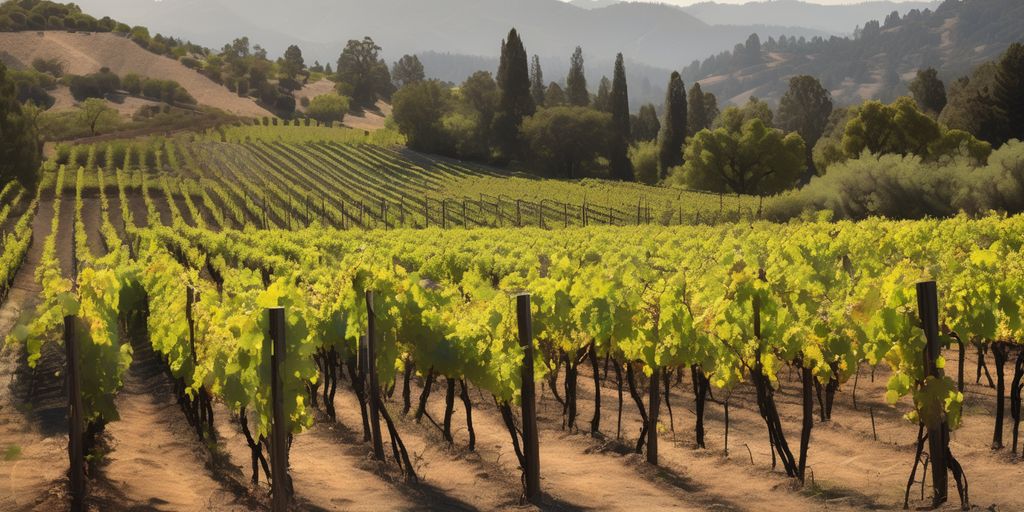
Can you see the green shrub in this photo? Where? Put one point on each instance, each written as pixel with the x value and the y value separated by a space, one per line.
pixel 132 83
pixel 54 66
pixel 909 187
pixel 327 107
pixel 644 156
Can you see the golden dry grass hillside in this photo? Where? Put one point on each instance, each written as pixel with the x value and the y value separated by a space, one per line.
pixel 87 53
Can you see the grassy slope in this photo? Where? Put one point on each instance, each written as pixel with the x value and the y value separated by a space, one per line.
pixel 88 53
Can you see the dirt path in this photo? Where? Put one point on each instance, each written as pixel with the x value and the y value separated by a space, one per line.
pixel 162 207
pixel 65 235
pixel 137 205
pixel 92 220
pixel 453 480
pixel 330 471
pixel 575 473
pixel 710 469
pixel 114 212
pixel 206 214
pixel 157 461
pixel 850 468
pixel 186 214
pixel 34 458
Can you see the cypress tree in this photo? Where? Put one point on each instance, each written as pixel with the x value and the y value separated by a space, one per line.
pixel 928 91
pixel 673 128
pixel 576 81
pixel 603 100
pixel 1009 91
pixel 536 81
pixel 621 168
pixel 554 96
pixel 515 101
pixel 19 144
pixel 710 108
pixel 697 114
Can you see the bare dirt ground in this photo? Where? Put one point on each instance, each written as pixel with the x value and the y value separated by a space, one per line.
pixel 575 474
pixel 851 469
pixel 34 451
pixel 157 461
pixel 91 218
pixel 310 91
pixel 126 109
pixel 369 120
pixel 87 53
pixel 454 478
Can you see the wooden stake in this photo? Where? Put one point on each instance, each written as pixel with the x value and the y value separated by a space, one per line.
pixel 279 428
pixel 373 386
pixel 76 449
pixel 531 448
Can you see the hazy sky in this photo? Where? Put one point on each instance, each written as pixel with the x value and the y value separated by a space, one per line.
pixel 823 2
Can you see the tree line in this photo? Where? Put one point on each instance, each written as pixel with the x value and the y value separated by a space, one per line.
pixel 563 130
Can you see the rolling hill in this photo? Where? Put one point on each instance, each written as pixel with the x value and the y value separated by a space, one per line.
pixel 87 53
pixel 833 19
pixel 654 34
pixel 877 62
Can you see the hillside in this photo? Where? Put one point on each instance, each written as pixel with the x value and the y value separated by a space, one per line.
pixel 877 62
pixel 658 35
pixel 833 19
pixel 87 53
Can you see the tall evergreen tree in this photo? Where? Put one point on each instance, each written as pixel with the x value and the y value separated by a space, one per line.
pixel 576 81
pixel 711 108
pixel 19 143
pixel 407 70
pixel 554 96
pixel 928 91
pixel 603 100
pixel 618 152
pixel 292 64
pixel 805 109
pixel 673 128
pixel 646 124
pixel 1009 91
pixel 536 81
pixel 514 99
pixel 697 114
pixel 362 74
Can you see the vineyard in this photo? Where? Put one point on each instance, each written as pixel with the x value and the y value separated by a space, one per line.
pixel 343 324
pixel 292 177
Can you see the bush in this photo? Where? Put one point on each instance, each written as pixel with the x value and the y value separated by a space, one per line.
pixel 285 104
pixel 84 87
pixel 644 156
pixel 327 108
pixel 96 85
pixel 566 141
pixel 55 67
pixel 243 87
pixel 909 187
pixel 747 158
pixel 32 86
pixel 132 83
pixel 152 89
pixel 418 110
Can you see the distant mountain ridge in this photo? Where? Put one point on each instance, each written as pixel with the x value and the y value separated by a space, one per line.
pixel 878 62
pixel 655 34
pixel 833 19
